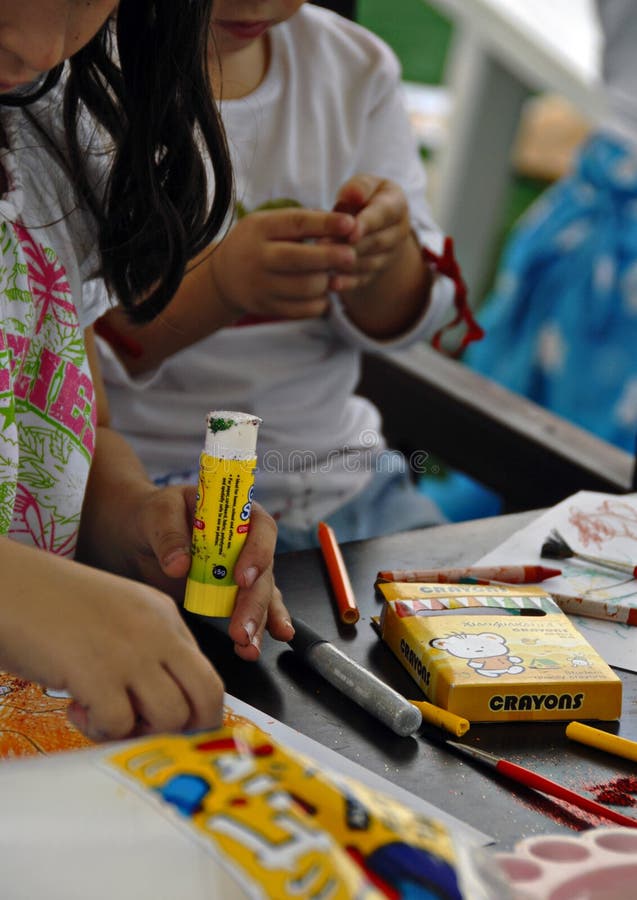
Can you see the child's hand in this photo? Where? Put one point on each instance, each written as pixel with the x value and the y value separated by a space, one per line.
pixel 162 557
pixel 382 227
pixel 279 262
pixel 119 647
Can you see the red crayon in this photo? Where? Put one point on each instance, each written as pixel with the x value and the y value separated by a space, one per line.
pixel 503 574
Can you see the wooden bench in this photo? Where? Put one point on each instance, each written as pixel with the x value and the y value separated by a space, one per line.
pixel 530 456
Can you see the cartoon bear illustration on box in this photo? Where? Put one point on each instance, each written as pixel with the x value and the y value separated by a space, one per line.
pixel 487 653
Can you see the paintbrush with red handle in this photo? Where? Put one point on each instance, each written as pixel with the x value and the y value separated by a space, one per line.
pixel 540 783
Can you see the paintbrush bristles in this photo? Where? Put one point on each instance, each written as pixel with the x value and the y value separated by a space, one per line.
pixel 555 547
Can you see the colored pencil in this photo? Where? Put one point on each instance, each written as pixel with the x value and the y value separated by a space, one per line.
pixel 544 785
pixel 339 579
pixel 435 715
pixel 504 574
pixel 608 610
pixel 602 740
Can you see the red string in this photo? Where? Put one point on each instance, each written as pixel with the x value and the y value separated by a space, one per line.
pixel 447 264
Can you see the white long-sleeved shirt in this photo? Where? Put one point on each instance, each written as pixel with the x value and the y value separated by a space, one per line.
pixel 330 106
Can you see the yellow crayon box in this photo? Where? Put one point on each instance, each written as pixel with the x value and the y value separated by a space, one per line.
pixel 493 654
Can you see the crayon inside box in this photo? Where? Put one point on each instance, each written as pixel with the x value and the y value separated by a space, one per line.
pixel 495 654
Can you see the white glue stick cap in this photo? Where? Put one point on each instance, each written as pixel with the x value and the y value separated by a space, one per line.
pixel 231 435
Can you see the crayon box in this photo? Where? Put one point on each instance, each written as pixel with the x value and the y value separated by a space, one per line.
pixel 493 654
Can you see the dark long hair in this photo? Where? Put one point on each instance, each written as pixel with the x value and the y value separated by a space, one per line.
pixel 155 100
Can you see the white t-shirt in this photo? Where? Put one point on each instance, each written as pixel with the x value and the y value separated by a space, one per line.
pixel 329 107
pixel 47 409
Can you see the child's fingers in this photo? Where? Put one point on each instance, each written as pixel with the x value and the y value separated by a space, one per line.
pixel 183 694
pixel 356 193
pixel 303 224
pixel 258 551
pixel 77 716
pixel 166 529
pixel 312 286
pixel 285 258
pixel 253 574
pixel 386 210
pixel 299 296
pixel 368 270
pixel 250 615
pixel 360 197
pixel 382 242
pixel 375 254
pixel 106 713
pixel 342 283
pixel 203 688
pixel 279 622
pixel 159 702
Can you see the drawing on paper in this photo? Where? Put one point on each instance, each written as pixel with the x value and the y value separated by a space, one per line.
pixel 33 720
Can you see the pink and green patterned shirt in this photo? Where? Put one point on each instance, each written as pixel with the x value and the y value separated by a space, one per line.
pixel 47 408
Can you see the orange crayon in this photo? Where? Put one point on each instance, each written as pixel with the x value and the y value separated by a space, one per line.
pixel 339 579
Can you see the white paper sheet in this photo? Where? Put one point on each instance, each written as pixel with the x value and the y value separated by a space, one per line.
pixel 599 525
pixel 72 827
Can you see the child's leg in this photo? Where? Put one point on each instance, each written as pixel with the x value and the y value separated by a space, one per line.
pixel 390 503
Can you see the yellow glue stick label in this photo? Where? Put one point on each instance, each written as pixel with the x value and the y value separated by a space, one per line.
pixel 222 520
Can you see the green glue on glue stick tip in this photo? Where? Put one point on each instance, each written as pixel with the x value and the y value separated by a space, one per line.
pixel 222 515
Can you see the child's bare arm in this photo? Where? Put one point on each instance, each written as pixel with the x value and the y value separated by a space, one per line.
pixel 133 528
pixel 120 648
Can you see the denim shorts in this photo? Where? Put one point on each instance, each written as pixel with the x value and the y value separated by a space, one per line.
pixel 389 503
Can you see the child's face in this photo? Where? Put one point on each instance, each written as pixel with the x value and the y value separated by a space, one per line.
pixel 36 35
pixel 238 23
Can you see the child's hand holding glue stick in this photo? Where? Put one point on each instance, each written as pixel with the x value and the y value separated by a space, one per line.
pixel 221 523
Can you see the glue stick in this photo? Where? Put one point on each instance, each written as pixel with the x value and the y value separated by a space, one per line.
pixel 222 515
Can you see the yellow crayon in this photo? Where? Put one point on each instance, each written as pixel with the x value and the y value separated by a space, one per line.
pixel 602 740
pixel 435 715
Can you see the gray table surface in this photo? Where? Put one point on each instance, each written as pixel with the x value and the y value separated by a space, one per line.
pixel 282 686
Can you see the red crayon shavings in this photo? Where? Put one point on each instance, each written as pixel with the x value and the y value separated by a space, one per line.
pixel 559 811
pixel 617 792
pixel 562 813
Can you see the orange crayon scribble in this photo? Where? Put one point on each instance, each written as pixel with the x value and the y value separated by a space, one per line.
pixel 33 721
pixel 231 719
pixel 611 519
